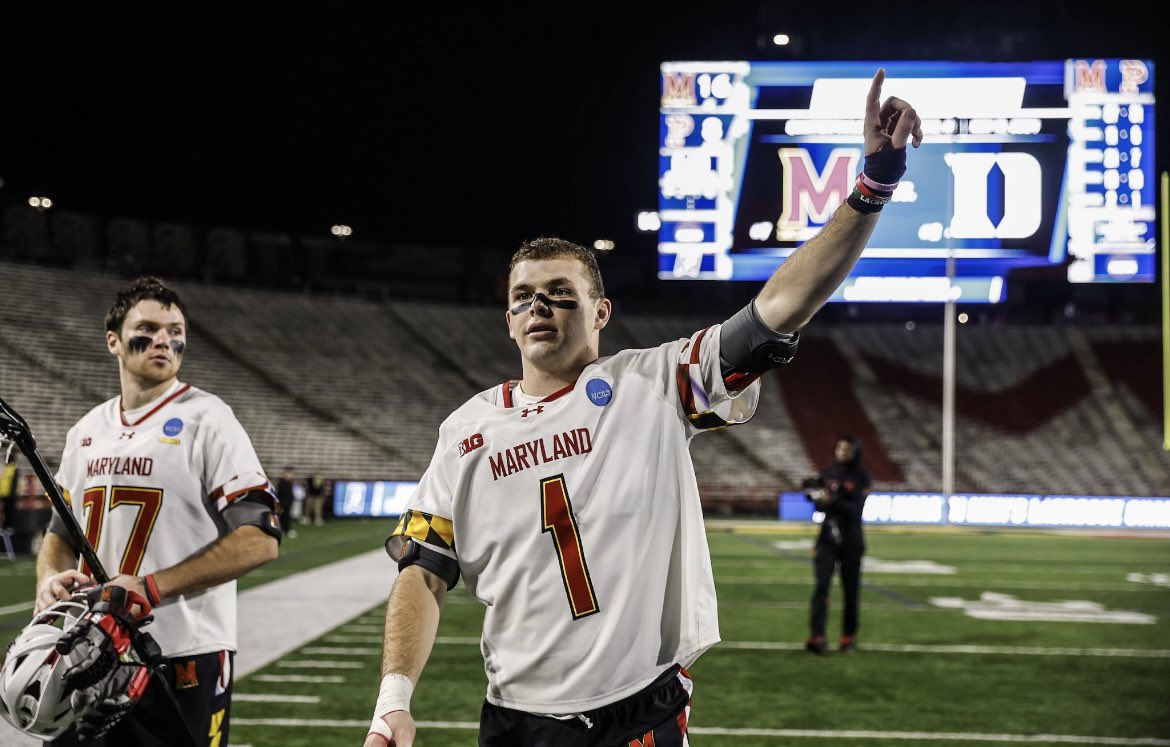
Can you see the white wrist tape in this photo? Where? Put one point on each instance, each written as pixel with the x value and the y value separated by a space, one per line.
pixel 394 695
pixel 382 729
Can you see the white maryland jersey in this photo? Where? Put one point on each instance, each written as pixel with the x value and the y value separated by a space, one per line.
pixel 576 520
pixel 147 487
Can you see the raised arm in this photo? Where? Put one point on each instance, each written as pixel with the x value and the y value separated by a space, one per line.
pixel 412 620
pixel 802 284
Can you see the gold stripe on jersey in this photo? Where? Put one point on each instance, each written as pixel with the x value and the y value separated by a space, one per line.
pixel 426 528
pixel 692 394
pixel 693 397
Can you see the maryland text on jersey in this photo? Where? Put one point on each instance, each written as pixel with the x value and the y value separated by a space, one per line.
pixel 119 466
pixel 540 451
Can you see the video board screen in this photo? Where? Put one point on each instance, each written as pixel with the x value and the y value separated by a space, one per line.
pixel 1023 165
pixel 371 498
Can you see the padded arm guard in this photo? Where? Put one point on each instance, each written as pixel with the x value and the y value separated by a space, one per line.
pixel 257 509
pixel 747 345
pixel 415 553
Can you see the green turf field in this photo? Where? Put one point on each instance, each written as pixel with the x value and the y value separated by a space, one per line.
pixel 312 547
pixel 1088 664
pixel 967 637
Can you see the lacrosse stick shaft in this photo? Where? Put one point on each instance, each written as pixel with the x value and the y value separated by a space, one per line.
pixel 16 428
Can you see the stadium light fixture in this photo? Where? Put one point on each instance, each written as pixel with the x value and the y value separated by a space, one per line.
pixel 341 230
pixel 40 203
pixel 649 221
pixel 781 40
pixel 603 245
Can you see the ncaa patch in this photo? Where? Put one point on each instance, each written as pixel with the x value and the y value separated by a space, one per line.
pixel 173 426
pixel 599 392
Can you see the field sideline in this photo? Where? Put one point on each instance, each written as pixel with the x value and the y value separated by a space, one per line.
pixel 968 637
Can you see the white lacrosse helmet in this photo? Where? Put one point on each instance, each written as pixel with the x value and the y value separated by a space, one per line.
pixel 32 695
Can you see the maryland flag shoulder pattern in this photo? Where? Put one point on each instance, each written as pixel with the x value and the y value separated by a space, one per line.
pixel 426 528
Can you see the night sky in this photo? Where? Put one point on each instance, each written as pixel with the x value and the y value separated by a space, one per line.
pixel 478 125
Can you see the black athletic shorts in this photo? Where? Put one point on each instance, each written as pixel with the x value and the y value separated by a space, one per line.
pixel 203 686
pixel 656 715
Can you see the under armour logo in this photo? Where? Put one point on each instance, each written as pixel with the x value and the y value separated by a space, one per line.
pixel 126 436
pixel 535 411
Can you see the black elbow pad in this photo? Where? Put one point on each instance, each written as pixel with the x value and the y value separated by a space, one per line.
pixel 253 509
pixel 747 345
pixel 443 566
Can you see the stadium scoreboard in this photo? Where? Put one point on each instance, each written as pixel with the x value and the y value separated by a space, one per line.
pixel 1024 165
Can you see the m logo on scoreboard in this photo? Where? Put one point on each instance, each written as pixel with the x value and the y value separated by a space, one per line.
pixel 678 89
pixel 810 196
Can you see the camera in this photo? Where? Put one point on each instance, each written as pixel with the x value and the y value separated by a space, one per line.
pixel 813 487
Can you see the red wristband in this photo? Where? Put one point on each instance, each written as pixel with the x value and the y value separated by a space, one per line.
pixel 151 589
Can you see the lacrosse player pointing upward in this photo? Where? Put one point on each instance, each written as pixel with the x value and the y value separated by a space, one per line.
pixel 169 491
pixel 568 503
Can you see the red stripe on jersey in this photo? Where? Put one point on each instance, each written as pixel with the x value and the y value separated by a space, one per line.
pixel 159 406
pixel 233 497
pixel 510 383
pixel 507 391
pixel 698 346
pixel 736 381
pixel 683 384
pixel 559 393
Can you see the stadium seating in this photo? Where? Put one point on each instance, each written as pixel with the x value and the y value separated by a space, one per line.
pixel 357 388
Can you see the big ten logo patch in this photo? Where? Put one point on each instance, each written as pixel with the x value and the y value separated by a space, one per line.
pixel 470 444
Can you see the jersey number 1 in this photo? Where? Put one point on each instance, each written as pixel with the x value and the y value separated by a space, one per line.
pixel 148 501
pixel 556 516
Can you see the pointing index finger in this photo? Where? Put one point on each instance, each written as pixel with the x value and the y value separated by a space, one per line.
pixel 873 102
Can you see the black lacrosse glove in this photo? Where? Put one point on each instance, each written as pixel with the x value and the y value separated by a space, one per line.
pixel 103 704
pixel 95 653
pixel 92 647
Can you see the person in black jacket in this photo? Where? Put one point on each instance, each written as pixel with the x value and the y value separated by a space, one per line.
pixel 840 493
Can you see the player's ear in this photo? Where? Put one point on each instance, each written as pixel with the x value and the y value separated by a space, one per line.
pixel 604 312
pixel 112 342
pixel 508 321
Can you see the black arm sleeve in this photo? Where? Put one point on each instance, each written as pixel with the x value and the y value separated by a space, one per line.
pixel 254 509
pixel 416 553
pixel 747 345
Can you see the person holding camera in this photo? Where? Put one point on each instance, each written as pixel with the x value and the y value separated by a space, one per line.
pixel 839 492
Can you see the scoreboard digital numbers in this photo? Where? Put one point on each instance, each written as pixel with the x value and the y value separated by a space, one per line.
pixel 1024 164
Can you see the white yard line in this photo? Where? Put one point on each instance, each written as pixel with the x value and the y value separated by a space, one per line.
pixel 342 638
pixel 341 650
pixel 925 736
pixel 307 664
pixel 283 615
pixel 1133 653
pixel 273 698
pixel 312 679
pixel 18 607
